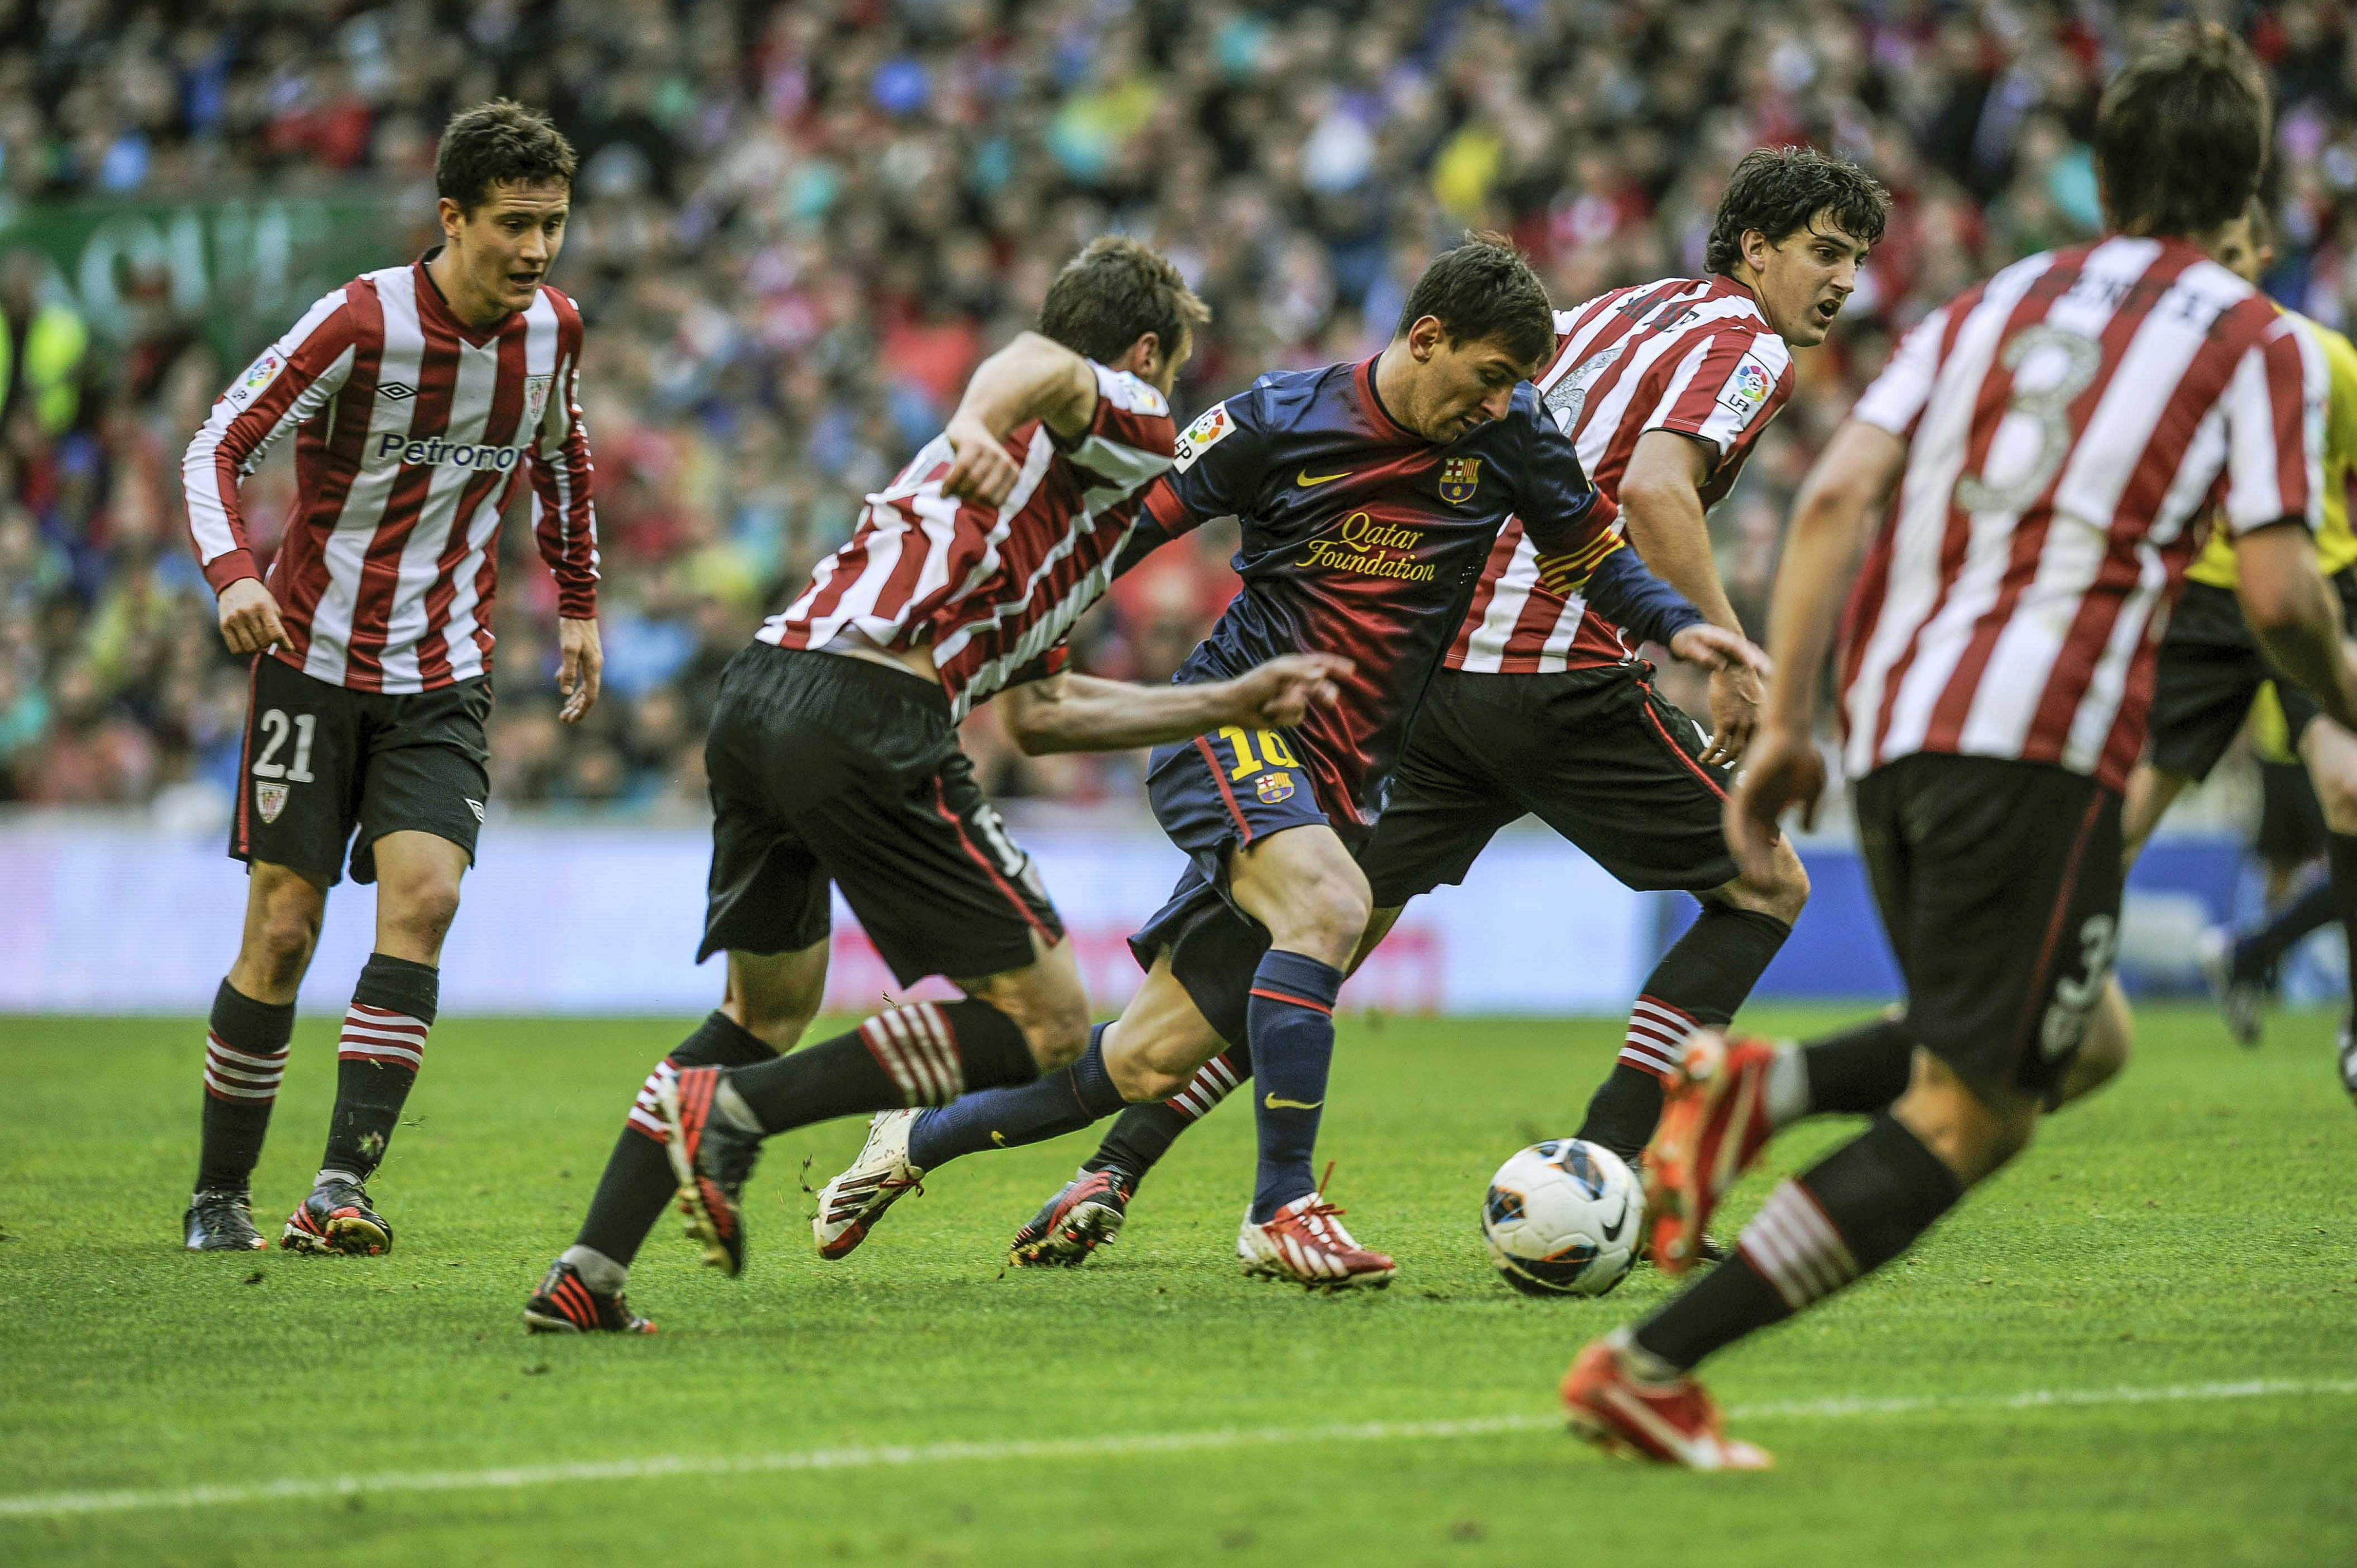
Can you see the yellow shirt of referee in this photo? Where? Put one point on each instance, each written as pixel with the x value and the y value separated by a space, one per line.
pixel 2336 547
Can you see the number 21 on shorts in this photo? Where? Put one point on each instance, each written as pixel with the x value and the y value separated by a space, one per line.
pixel 1273 753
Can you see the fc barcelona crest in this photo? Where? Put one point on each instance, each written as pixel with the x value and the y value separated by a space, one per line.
pixel 1458 477
pixel 1274 787
pixel 535 400
pixel 270 798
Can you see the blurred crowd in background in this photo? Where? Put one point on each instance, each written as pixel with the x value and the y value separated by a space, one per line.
pixel 799 226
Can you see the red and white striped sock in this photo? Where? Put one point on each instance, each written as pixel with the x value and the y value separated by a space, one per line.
pixel 378 1058
pixel 1657 1036
pixel 645 1111
pixel 1792 1244
pixel 384 1037
pixel 1212 1082
pixel 244 1077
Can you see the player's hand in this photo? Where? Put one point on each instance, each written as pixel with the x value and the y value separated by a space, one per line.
pixel 981 472
pixel 249 617
pixel 580 661
pixel 1735 698
pixel 1716 647
pixel 1784 771
pixel 1280 693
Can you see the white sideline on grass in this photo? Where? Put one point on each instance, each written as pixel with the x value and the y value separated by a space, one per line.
pixel 307 1488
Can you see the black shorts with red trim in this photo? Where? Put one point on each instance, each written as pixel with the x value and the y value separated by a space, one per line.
pixel 829 769
pixel 325 767
pixel 1594 754
pixel 1999 884
pixel 1213 795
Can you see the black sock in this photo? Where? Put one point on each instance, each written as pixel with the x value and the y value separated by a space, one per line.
pixel 1699 984
pixel 1291 1019
pixel 1860 1070
pixel 1048 1107
pixel 638 1183
pixel 245 1057
pixel 2256 955
pixel 376 1064
pixel 1142 1134
pixel 1852 1212
pixel 928 1053
pixel 2340 855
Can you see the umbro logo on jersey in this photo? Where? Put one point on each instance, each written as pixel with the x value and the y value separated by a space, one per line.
pixel 474 806
pixel 396 390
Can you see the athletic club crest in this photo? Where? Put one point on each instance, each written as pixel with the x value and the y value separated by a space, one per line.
pixel 535 399
pixel 1458 477
pixel 270 799
pixel 1274 787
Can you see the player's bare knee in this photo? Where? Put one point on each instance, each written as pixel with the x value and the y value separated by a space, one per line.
pixel 285 927
pixel 423 908
pixel 1325 918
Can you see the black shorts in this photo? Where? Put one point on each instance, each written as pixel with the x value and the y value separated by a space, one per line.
pixel 321 761
pixel 2210 672
pixel 1213 795
pixel 1999 884
pixel 1594 754
pixel 826 769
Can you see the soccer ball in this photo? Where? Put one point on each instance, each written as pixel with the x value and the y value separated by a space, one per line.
pixel 1562 1218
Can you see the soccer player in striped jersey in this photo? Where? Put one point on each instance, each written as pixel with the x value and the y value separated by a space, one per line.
pixel 2051 442
pixel 1371 497
pixel 1545 708
pixel 835 762
pixel 422 399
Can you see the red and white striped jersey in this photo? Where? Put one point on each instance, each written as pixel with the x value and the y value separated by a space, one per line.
pixel 1692 355
pixel 413 432
pixel 2068 421
pixel 990 590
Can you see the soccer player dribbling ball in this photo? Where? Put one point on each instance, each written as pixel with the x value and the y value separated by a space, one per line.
pixel 422 398
pixel 2049 442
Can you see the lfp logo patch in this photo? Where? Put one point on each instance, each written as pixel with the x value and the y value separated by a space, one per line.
pixel 1749 387
pixel 258 375
pixel 1459 476
pixel 1211 426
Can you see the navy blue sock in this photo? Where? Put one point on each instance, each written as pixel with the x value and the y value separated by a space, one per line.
pixel 1291 1021
pixel 1048 1107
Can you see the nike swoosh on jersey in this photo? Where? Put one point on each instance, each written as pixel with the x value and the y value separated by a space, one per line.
pixel 1274 1103
pixel 1307 482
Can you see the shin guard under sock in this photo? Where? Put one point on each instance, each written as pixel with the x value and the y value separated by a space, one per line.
pixel 1291 1020
pixel 1844 1218
pixel 377 1063
pixel 1048 1107
pixel 246 1058
pixel 927 1053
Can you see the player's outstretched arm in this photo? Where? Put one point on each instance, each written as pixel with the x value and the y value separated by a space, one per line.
pixel 1849 483
pixel 1661 510
pixel 2293 613
pixel 1032 378
pixel 1082 713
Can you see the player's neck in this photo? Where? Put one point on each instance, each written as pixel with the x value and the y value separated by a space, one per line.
pixel 1393 369
pixel 477 313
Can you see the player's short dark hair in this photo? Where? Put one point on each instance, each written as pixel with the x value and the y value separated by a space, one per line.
pixel 1780 190
pixel 1115 292
pixel 2181 133
pixel 1483 291
pixel 495 144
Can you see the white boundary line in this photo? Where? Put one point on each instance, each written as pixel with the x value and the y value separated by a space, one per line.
pixel 52 1504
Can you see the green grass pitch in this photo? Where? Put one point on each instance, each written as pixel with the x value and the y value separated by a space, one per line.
pixel 2194 1226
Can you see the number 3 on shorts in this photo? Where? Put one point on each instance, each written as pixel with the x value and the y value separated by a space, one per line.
pixel 1274 752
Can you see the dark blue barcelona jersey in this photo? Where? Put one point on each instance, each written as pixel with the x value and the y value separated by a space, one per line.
pixel 1363 539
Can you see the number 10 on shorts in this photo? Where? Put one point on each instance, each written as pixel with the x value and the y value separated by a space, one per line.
pixel 1274 752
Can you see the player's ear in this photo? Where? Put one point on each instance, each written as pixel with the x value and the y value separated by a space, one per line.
pixel 1424 337
pixel 453 217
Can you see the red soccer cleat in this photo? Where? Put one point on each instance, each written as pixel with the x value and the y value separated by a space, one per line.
pixel 1085 1214
pixel 1305 1243
pixel 1714 1126
pixel 1672 1422
pixel 712 1161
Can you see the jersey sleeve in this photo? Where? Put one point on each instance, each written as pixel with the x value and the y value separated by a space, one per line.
pixel 1216 468
pixel 1896 400
pixel 564 515
pixel 2275 411
pixel 292 382
pixel 1724 389
pixel 1131 438
pixel 1568 518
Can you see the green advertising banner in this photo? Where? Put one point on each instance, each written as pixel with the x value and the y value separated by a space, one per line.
pixel 242 268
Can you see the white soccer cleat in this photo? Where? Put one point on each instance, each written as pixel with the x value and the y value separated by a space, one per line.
pixel 1305 1243
pixel 850 1205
